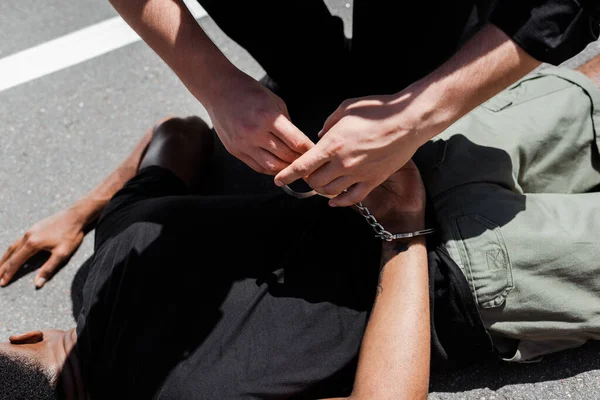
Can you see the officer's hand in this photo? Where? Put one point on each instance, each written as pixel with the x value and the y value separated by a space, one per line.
pixel 362 143
pixel 254 125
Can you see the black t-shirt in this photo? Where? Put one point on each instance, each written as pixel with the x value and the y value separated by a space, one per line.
pixel 458 336
pixel 303 48
pixel 172 304
pixel 551 31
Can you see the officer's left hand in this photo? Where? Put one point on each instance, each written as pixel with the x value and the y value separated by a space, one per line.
pixel 362 143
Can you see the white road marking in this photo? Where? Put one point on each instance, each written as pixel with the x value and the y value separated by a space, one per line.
pixel 72 49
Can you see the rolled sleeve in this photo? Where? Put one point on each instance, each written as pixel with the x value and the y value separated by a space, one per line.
pixel 551 31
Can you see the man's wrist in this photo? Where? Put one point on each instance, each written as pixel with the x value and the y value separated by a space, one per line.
pixel 395 247
pixel 404 222
pixel 86 211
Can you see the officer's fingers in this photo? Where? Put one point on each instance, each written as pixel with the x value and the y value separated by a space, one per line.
pixel 291 135
pixel 249 161
pixel 325 174
pixel 270 163
pixel 337 186
pixel 308 163
pixel 49 268
pixel 278 148
pixel 333 119
pixel 354 194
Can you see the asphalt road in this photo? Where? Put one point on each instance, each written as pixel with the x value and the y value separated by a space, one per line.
pixel 62 133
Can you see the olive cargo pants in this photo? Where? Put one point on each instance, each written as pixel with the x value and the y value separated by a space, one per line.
pixel 515 188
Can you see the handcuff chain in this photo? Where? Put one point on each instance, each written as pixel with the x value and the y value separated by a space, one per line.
pixel 371 220
pixel 364 211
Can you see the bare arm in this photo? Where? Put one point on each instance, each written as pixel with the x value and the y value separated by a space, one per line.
pixel 395 352
pixel 394 356
pixel 251 121
pixel 90 206
pixel 61 234
pixel 367 139
pixel 169 28
pixel 484 66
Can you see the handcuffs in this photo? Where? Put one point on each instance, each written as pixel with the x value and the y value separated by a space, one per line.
pixel 303 195
pixel 380 231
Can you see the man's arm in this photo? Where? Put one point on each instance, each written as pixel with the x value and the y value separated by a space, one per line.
pixel 394 356
pixel 365 140
pixel 395 352
pixel 251 121
pixel 90 206
pixel 169 28
pixel 61 234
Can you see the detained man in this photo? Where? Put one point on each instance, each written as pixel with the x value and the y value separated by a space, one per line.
pixel 197 296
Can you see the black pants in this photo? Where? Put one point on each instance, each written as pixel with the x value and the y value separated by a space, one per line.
pixel 196 297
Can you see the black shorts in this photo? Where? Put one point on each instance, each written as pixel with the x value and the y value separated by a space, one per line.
pixel 219 297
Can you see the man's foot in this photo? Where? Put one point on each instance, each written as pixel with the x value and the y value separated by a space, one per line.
pixel 181 145
pixel 47 361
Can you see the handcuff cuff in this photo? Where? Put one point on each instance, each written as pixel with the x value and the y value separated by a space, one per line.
pixel 380 231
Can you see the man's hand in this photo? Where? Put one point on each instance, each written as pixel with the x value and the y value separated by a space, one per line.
pixel 254 125
pixel 399 202
pixel 362 143
pixel 61 235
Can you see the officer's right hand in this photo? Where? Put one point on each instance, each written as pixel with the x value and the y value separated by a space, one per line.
pixel 254 125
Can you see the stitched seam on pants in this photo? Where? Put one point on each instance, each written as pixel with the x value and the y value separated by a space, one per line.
pixel 463 256
pixel 510 283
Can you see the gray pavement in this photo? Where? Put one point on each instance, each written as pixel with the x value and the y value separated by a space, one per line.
pixel 27 23
pixel 61 134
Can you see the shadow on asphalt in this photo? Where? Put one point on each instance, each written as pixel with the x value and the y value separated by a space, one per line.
pixel 495 375
pixel 31 265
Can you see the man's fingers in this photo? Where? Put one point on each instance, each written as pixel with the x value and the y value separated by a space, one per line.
pixel 15 261
pixel 291 135
pixel 354 194
pixel 9 252
pixel 281 150
pixel 48 269
pixel 337 186
pixel 303 166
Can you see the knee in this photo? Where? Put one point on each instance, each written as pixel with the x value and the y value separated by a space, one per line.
pixel 181 145
pixel 180 128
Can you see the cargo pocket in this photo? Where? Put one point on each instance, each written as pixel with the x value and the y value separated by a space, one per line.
pixel 484 257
